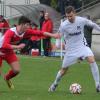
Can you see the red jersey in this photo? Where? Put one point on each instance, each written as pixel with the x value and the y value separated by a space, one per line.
pixel 12 37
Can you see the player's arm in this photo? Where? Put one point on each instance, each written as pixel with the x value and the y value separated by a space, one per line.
pixel 41 33
pixel 7 39
pixel 31 32
pixel 55 35
pixel 20 46
pixel 92 24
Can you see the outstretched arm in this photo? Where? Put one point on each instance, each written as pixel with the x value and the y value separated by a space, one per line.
pixel 97 27
pixel 94 25
pixel 55 35
pixel 20 46
pixel 31 32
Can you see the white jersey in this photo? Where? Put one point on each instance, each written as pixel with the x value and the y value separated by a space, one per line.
pixel 73 33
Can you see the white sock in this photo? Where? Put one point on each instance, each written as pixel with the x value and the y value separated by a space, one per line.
pixel 58 78
pixel 95 72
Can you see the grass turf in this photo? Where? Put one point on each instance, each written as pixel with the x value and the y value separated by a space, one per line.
pixel 37 73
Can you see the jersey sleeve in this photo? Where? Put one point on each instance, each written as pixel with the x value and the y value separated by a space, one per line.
pixel 92 24
pixel 31 32
pixel 7 39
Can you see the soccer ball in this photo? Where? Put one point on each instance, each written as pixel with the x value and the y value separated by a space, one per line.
pixel 75 88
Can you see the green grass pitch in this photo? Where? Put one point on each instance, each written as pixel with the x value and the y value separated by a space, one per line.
pixel 37 73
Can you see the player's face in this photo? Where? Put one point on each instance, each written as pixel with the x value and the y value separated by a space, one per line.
pixel 71 17
pixel 25 27
pixel 22 28
pixel 46 16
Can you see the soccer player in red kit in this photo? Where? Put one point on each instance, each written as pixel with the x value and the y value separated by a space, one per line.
pixel 7 44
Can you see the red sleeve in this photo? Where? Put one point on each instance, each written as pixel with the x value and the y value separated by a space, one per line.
pixel 7 39
pixel 31 32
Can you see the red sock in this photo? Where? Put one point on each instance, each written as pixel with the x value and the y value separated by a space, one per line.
pixel 10 74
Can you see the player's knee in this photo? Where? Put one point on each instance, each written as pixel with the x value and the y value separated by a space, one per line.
pixel 16 71
pixel 63 71
pixel 91 59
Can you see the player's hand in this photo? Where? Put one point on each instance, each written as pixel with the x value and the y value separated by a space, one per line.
pixel 57 36
pixel 21 46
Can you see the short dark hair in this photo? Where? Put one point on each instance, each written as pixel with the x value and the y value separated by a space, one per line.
pixel 23 20
pixel 69 9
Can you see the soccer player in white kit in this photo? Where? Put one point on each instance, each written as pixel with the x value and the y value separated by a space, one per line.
pixel 72 29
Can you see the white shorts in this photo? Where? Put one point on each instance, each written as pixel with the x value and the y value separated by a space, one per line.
pixel 71 57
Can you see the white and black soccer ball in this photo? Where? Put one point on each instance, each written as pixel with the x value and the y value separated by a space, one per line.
pixel 75 88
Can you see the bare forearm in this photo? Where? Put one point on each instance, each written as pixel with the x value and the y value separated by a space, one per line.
pixel 20 46
pixel 14 46
pixel 56 35
pixel 48 34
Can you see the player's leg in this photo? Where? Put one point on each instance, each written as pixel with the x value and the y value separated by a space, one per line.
pixel 95 71
pixel 15 69
pixel 66 62
pixel 12 73
pixel 94 67
pixel 59 75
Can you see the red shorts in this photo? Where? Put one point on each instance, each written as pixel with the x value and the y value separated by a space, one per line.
pixel 9 57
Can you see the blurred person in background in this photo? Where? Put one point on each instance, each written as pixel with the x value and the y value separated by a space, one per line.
pixel 47 27
pixel 41 20
pixel 4 26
